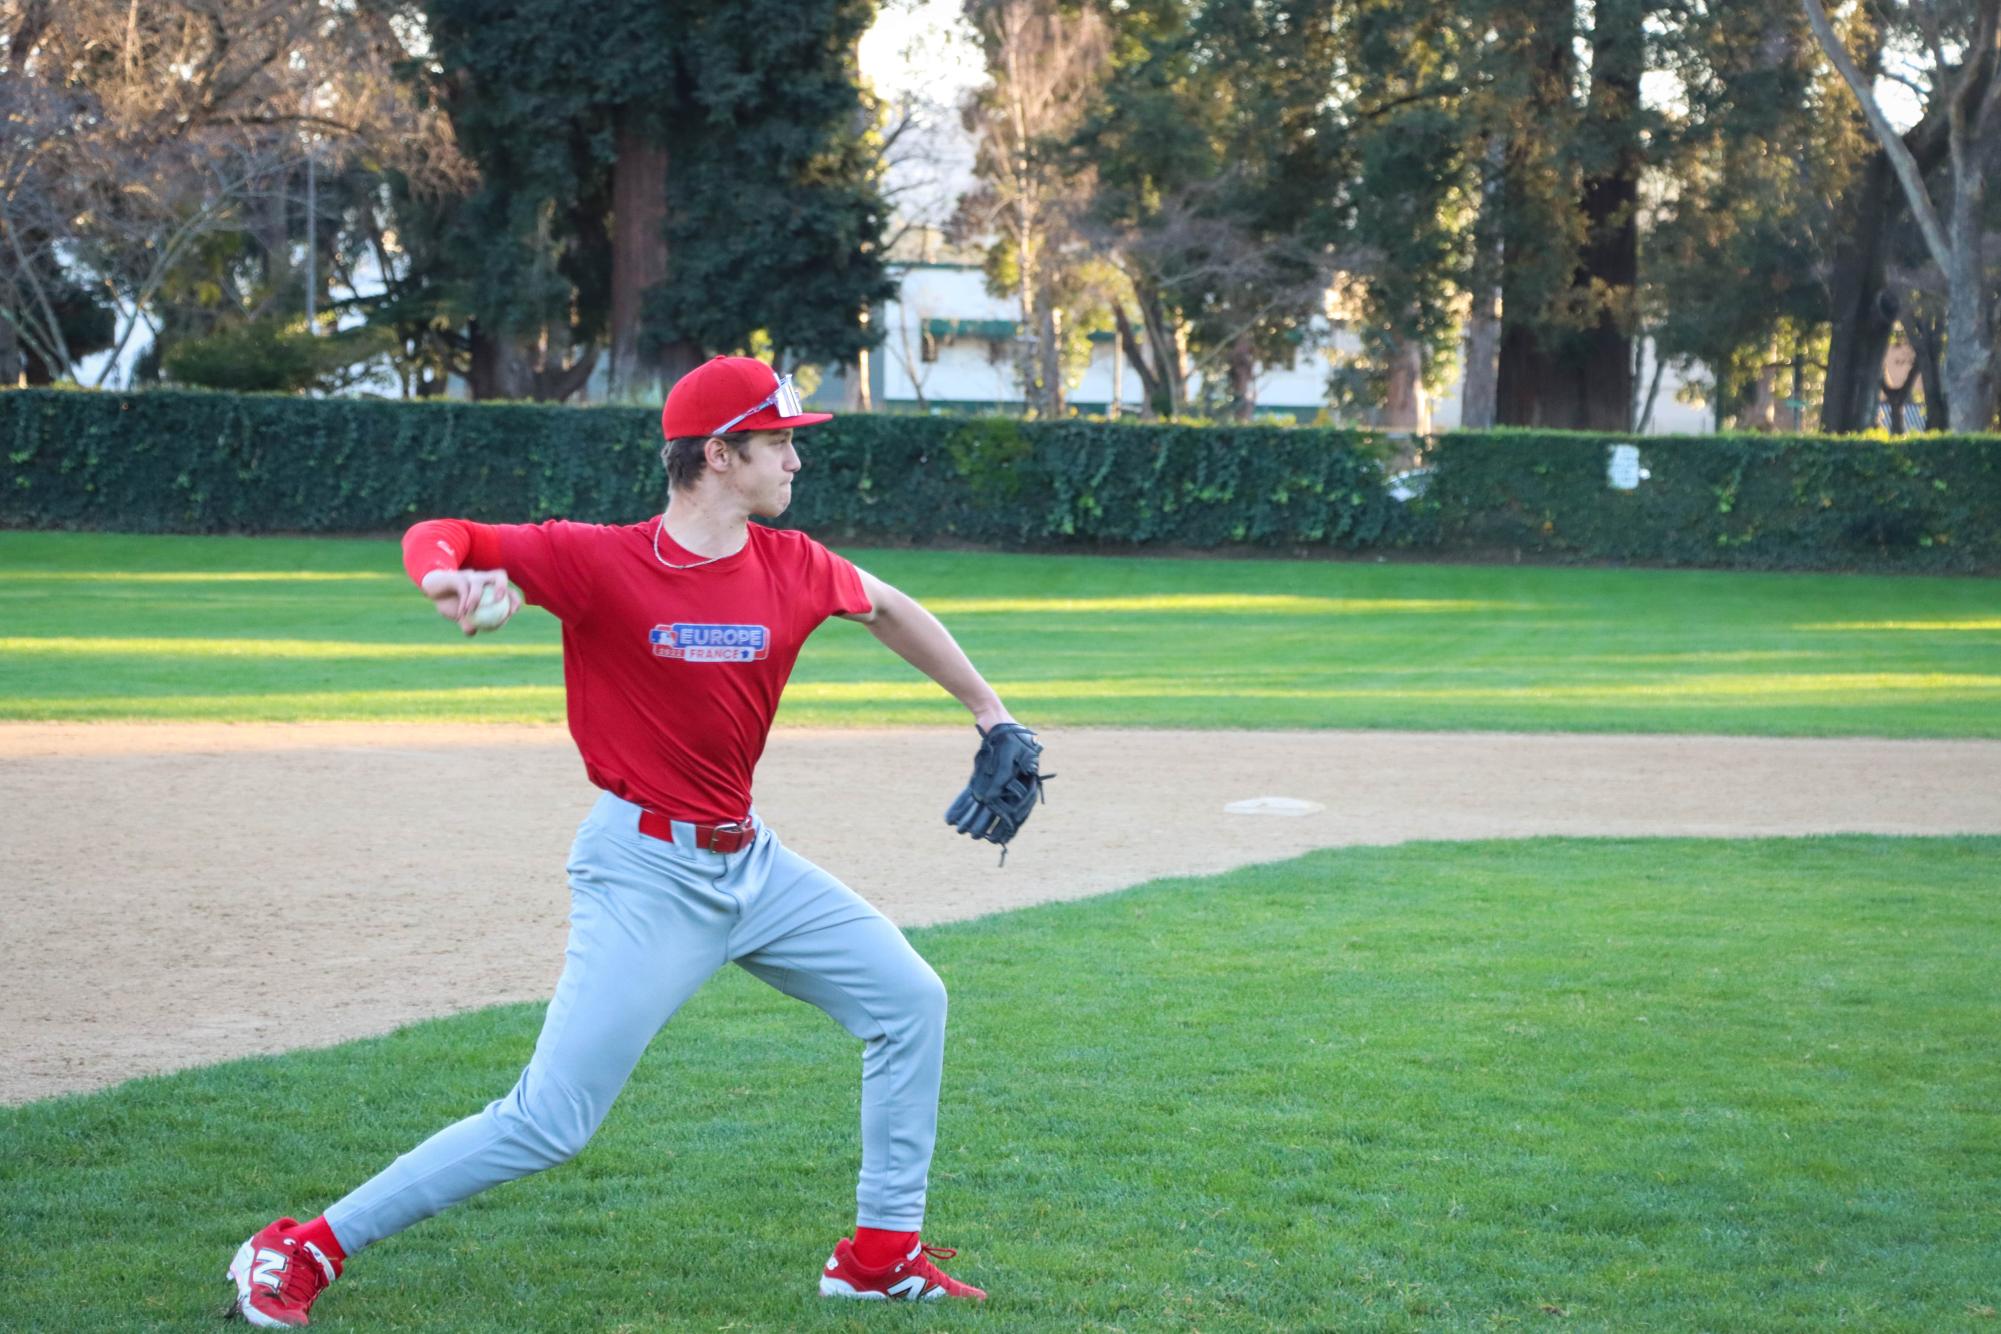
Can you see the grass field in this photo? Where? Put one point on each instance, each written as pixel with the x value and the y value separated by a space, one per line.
pixel 106 627
pixel 1649 1085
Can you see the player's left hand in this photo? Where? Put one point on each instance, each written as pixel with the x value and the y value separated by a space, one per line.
pixel 1005 787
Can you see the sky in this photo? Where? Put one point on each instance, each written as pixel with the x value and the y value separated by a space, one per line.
pixel 921 46
pixel 920 57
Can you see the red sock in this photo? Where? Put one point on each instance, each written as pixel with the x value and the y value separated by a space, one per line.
pixel 321 1235
pixel 877 1249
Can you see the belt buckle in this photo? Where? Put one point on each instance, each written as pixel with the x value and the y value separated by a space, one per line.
pixel 733 828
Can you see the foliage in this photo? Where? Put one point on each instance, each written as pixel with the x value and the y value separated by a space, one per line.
pixel 274 356
pixel 1763 501
pixel 168 461
pixel 174 461
pixel 156 153
pixel 1046 64
pixel 1219 179
pixel 775 211
pixel 1414 133
pixel 773 217
pixel 1730 266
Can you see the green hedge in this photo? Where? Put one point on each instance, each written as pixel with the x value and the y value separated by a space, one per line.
pixel 171 461
pixel 1746 501
pixel 187 462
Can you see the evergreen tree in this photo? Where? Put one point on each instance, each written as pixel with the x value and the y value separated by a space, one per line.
pixel 679 176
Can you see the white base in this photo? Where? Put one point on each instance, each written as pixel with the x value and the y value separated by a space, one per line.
pixel 1273 806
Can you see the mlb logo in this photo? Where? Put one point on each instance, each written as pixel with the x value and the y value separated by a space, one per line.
pixel 691 642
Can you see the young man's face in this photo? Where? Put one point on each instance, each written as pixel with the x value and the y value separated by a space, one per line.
pixel 762 475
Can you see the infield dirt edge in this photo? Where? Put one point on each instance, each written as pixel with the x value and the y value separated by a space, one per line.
pixel 186 893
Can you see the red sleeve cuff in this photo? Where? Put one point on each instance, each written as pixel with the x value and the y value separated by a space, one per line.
pixel 436 544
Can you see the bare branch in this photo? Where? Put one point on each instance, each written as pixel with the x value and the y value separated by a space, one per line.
pixel 1892 143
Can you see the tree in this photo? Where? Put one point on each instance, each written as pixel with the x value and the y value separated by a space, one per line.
pixel 1425 177
pixel 139 135
pixel 668 176
pixel 1570 223
pixel 1970 95
pixel 1046 65
pixel 1217 188
pixel 1742 210
pixel 777 224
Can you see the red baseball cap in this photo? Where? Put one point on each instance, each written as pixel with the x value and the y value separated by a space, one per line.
pixel 726 395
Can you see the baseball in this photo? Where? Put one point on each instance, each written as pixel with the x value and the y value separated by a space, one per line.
pixel 496 604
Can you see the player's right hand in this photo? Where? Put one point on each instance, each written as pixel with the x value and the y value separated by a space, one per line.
pixel 456 593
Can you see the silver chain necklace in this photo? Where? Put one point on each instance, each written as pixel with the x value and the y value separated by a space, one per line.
pixel 661 527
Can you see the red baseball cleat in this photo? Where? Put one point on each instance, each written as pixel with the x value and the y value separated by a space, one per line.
pixel 278 1277
pixel 912 1279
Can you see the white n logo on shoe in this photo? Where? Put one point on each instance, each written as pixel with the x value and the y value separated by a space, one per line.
pixel 911 1288
pixel 268 1268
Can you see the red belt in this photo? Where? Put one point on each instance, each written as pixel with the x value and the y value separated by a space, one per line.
pixel 734 836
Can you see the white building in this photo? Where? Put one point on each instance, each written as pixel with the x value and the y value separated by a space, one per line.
pixel 949 345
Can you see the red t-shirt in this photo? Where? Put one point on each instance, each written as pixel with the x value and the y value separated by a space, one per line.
pixel 672 675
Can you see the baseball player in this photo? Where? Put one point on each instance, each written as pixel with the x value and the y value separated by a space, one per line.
pixel 678 635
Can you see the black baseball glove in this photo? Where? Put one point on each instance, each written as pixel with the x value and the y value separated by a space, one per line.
pixel 1007 782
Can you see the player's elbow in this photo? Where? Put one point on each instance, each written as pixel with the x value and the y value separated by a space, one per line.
pixel 892 607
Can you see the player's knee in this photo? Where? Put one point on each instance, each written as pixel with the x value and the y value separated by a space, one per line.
pixel 551 1122
pixel 562 1135
pixel 924 997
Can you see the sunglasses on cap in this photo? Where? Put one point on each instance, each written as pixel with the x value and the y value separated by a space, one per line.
pixel 785 396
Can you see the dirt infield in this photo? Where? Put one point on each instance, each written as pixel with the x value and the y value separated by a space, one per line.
pixel 180 894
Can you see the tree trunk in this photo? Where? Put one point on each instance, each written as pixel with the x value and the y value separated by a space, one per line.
pixel 1761 409
pixel 1243 380
pixel 638 257
pixel 1551 372
pixel 1924 335
pixel 1164 342
pixel 1049 358
pixel 1483 323
pixel 1477 401
pixel 274 238
pixel 1646 421
pixel 1403 402
pixel 505 367
pixel 1539 33
pixel 1611 262
pixel 10 356
pixel 1862 312
pixel 1149 382
pixel 1969 337
pixel 1525 379
pixel 499 366
pixel 1861 318
pixel 558 382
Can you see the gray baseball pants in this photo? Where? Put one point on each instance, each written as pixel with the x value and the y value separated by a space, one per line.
pixel 650 921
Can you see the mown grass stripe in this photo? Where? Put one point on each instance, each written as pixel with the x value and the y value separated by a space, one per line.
pixel 1074 640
